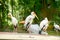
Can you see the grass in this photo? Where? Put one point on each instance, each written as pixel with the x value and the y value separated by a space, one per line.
pixel 54 33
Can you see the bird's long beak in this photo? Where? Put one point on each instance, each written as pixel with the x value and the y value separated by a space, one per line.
pixel 36 16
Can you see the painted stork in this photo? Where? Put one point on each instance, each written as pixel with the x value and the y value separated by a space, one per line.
pixel 56 27
pixel 43 26
pixel 29 19
pixel 14 21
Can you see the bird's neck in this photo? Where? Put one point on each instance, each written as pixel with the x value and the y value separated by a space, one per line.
pixel 33 16
pixel 11 16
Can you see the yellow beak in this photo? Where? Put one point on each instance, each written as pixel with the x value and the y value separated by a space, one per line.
pixel 36 16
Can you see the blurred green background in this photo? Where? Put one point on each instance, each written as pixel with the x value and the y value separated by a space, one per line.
pixel 22 8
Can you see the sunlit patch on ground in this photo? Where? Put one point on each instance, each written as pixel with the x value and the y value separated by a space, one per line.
pixel 26 36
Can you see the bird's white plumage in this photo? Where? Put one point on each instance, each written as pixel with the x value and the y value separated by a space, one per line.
pixel 56 26
pixel 44 22
pixel 29 19
pixel 14 21
pixel 34 28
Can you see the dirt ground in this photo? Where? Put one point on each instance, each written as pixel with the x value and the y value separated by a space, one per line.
pixel 26 36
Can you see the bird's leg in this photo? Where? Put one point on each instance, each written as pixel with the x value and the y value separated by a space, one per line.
pixel 15 28
pixel 29 31
pixel 57 32
pixel 44 29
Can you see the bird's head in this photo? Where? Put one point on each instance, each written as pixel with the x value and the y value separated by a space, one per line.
pixel 46 18
pixel 34 14
pixel 9 15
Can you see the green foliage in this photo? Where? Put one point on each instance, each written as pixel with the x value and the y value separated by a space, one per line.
pixel 22 8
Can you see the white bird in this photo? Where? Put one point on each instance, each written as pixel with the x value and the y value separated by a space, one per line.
pixel 56 27
pixel 44 23
pixel 29 19
pixel 14 21
pixel 43 26
pixel 34 28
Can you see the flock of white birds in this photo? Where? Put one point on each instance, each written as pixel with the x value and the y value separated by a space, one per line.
pixel 34 28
